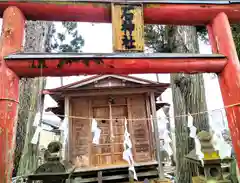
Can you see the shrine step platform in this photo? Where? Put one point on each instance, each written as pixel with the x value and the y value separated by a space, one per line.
pixel 117 173
pixel 54 64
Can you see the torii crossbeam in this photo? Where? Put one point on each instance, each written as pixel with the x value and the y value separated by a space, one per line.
pixel 216 15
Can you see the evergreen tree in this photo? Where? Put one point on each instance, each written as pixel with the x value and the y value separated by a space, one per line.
pixel 187 90
pixel 68 40
pixel 25 159
pixel 40 37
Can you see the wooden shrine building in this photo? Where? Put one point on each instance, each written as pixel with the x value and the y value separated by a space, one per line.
pixel 109 99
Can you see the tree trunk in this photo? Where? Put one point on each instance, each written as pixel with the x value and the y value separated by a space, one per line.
pixel 188 97
pixel 26 157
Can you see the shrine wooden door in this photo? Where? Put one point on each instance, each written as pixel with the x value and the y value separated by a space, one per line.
pixel 110 113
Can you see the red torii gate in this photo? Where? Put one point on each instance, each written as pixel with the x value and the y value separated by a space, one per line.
pixel 14 64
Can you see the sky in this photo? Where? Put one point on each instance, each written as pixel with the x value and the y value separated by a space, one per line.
pixel 98 39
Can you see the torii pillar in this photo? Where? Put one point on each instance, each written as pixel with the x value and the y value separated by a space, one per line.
pixel 11 41
pixel 221 39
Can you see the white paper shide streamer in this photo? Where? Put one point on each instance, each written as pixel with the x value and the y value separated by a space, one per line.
pixel 36 123
pixel 127 153
pixel 193 134
pixel 96 131
pixel 219 144
pixel 64 127
pixel 164 133
pixel 37 119
pixel 167 141
pixel 36 135
pixel 218 141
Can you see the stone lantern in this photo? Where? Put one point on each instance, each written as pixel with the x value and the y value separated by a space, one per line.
pixel 209 169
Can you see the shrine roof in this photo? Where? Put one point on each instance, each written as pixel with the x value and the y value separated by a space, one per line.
pixel 58 93
pixel 87 81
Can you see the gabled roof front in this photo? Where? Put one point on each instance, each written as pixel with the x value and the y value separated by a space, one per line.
pixel 93 79
pixel 80 86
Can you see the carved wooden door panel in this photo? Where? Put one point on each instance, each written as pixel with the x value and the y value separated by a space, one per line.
pixel 80 129
pixel 119 113
pixel 140 129
pixel 101 153
pixel 110 112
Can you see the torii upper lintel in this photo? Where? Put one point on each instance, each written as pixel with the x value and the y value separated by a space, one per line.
pixel 155 11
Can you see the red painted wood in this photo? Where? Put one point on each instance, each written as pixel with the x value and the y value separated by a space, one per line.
pixel 212 39
pixel 96 12
pixel 11 41
pixel 120 66
pixel 229 78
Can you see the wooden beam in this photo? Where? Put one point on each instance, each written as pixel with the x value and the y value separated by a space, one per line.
pixel 229 79
pixel 11 41
pixel 130 124
pixel 68 144
pixel 149 122
pixel 156 135
pixel 27 65
pixel 112 178
pixel 154 12
pixel 113 92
